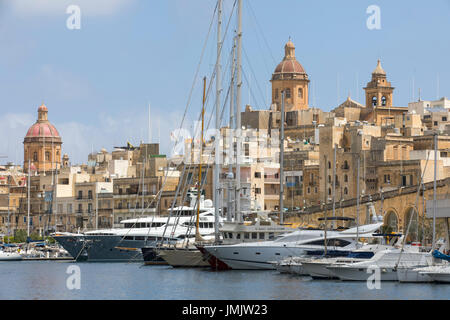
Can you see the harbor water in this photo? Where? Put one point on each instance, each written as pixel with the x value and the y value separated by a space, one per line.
pixel 42 280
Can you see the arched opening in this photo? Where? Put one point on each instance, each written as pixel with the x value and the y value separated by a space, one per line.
pixel 374 101
pixel 391 222
pixel 383 101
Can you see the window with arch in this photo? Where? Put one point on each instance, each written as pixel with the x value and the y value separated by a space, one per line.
pixel 383 100
pixel 345 178
pixel 374 101
pixel 329 191
pixel 345 190
pixel 329 165
pixel 300 93
pixel 288 93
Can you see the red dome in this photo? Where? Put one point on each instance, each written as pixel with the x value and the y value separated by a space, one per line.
pixel 42 129
pixel 289 66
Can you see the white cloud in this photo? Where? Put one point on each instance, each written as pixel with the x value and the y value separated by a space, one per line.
pixel 79 139
pixel 58 7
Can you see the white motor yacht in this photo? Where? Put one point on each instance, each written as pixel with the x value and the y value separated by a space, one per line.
pixel 387 261
pixel 261 255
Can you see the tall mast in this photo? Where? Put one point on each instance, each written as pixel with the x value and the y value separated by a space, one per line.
pixel 334 182
pixel 325 205
pixel 218 135
pixel 231 136
pixel 28 217
pixel 357 200
pixel 238 114
pixel 434 189
pixel 282 159
pixel 199 189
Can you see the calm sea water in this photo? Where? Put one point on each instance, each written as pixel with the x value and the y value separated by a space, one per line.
pixel 47 280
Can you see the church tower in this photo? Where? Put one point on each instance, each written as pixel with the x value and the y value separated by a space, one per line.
pixel 290 76
pixel 379 90
pixel 42 145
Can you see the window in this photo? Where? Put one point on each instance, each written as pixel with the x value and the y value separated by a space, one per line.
pixel 444 118
pixel 261 235
pixel 276 93
pixel 35 156
pixel 80 194
pixel 257 190
pixel 383 100
pixel 246 235
pixel 374 101
pixel 309 190
pixel 257 174
pixel 288 93
pixel 47 156
pixel 254 235
pixel 345 178
pixel 89 194
pixel 345 190
pixel 300 93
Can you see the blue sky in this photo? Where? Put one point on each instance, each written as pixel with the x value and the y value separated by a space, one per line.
pixel 97 81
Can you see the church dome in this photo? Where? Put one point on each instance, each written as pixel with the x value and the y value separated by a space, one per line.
pixel 289 67
pixel 42 128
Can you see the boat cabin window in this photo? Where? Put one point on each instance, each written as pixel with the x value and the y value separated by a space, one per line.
pixel 271 236
pixel 246 235
pixel 254 235
pixel 330 243
pixel 261 235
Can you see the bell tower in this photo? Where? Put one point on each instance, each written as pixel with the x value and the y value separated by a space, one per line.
pixel 379 91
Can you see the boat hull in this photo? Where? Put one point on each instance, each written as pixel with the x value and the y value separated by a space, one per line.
pixel 183 257
pixel 411 275
pixel 102 248
pixel 362 273
pixel 10 256
pixel 150 256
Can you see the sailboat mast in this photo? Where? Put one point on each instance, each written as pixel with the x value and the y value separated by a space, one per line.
pixel 28 217
pixel 200 164
pixel 434 189
pixel 231 136
pixel 282 159
pixel 357 199
pixel 218 135
pixel 238 114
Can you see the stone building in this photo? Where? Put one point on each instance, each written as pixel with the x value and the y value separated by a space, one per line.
pixel 42 145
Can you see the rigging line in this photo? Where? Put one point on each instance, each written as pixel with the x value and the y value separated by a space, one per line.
pixel 415 209
pixel 262 33
pixel 254 75
pixel 259 42
pixel 251 91
pixel 198 68
pixel 189 230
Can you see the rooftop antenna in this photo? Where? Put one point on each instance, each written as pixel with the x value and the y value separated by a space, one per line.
pixel 149 126
pixel 437 87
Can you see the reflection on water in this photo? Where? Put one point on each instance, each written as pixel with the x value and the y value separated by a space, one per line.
pixel 47 280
